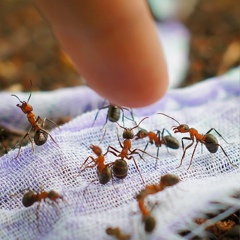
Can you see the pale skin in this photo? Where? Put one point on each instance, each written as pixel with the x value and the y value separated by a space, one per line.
pixel 114 45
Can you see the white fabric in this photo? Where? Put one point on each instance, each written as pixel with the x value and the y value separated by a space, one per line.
pixel 211 178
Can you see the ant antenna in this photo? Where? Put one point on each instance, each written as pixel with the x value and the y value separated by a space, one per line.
pixel 30 91
pixel 17 98
pixel 28 97
pixel 133 127
pixel 170 117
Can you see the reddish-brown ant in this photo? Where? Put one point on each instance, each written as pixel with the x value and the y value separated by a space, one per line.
pixel 117 233
pixel 114 112
pixel 104 172
pixel 126 151
pixel 165 181
pixel 31 197
pixel 207 139
pixel 37 125
pixel 158 139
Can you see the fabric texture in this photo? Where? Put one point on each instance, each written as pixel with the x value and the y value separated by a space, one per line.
pixel 210 185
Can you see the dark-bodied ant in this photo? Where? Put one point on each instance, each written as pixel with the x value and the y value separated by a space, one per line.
pixel 117 233
pixel 37 125
pixel 126 152
pixel 207 139
pixel 165 181
pixel 114 113
pixel 158 139
pixel 104 172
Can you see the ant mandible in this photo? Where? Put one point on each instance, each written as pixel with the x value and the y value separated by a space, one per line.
pixel 37 125
pixel 158 138
pixel 166 180
pixel 207 139
pixel 126 151
pixel 113 114
pixel 117 233
pixel 104 172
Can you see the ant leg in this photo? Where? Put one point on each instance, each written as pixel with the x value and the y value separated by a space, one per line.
pixel 26 135
pixel 186 138
pixel 218 134
pixel 136 167
pixel 44 120
pixel 114 149
pixel 92 166
pixel 137 149
pixel 98 113
pixel 84 192
pixel 131 113
pixel 46 132
pixel 192 155
pixel 145 148
pixel 184 152
pixel 227 156
pixel 37 215
pixel 157 155
pixel 120 142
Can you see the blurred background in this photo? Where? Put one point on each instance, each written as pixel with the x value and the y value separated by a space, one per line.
pixel 29 50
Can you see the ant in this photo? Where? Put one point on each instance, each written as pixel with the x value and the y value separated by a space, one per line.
pixel 126 151
pixel 31 197
pixel 207 139
pixel 37 125
pixel 117 233
pixel 166 180
pixel 113 114
pixel 158 138
pixel 104 172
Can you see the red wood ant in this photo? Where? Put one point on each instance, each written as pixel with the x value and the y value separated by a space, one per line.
pixel 114 112
pixel 104 172
pixel 126 151
pixel 37 125
pixel 207 139
pixel 165 181
pixel 158 139
pixel 117 233
pixel 31 197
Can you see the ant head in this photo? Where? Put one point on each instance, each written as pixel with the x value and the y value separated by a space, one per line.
pixel 97 150
pixel 168 180
pixel 182 128
pixel 29 198
pixel 26 108
pixel 141 134
pixel 128 132
pixel 52 195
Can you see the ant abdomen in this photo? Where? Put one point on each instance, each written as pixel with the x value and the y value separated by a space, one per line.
pixel 114 113
pixel 120 168
pixel 28 199
pixel 171 142
pixel 105 175
pixel 211 143
pixel 40 137
pixel 149 223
